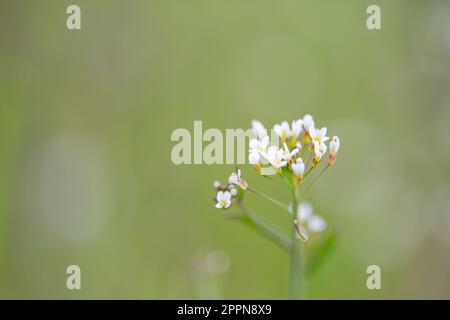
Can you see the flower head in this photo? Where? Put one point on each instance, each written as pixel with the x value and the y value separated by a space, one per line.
pixel 283 130
pixel 254 157
pixel 237 180
pixel 298 167
pixel 318 135
pixel 316 224
pixel 297 127
pixel 308 123
pixel 275 157
pixel 217 185
pixel 334 148
pixel 319 150
pixel 258 129
pixel 287 155
pixel 307 221
pixel 260 145
pixel 304 211
pixel 223 199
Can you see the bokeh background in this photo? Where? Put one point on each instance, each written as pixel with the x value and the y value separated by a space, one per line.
pixel 85 124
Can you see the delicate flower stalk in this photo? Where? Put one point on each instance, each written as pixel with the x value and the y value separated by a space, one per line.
pixel 296 270
pixel 269 198
pixel 291 163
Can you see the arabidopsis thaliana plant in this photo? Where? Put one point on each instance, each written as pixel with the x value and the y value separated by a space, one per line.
pixel 223 199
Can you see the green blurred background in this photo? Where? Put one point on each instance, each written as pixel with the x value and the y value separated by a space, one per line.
pixel 85 124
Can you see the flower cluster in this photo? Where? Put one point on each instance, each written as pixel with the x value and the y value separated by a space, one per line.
pixel 303 147
pixel 299 141
pixel 226 192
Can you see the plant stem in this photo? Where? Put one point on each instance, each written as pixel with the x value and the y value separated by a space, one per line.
pixel 274 201
pixel 317 178
pixel 296 270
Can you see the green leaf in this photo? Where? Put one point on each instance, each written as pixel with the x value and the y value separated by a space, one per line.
pixel 321 254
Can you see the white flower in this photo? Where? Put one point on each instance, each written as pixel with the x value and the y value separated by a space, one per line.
pixel 305 215
pixel 308 123
pixel 233 178
pixel 287 155
pixel 254 157
pixel 316 224
pixel 319 150
pixel 319 135
pixel 334 145
pixel 260 145
pixel 217 184
pixel 233 191
pixel 236 179
pixel 298 167
pixel 275 157
pixel 223 199
pixel 258 129
pixel 304 211
pixel 283 130
pixel 297 127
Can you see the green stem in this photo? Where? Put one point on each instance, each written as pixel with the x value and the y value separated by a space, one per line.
pixel 317 178
pixel 274 201
pixel 296 270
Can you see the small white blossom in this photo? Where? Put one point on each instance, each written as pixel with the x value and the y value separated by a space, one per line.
pixel 236 179
pixel 308 123
pixel 287 155
pixel 304 211
pixel 316 224
pixel 283 130
pixel 217 184
pixel 275 157
pixel 297 127
pixel 334 145
pixel 223 199
pixel 260 145
pixel 334 148
pixel 233 191
pixel 319 135
pixel 254 157
pixel 298 167
pixel 258 129
pixel 319 150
